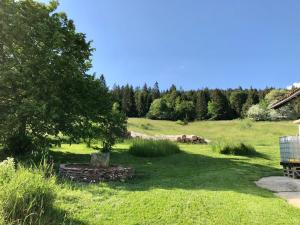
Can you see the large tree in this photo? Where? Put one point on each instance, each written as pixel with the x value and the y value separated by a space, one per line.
pixel 218 107
pixel 202 99
pixel 45 88
pixel 237 100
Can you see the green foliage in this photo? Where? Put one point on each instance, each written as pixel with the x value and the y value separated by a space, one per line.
pixel 19 144
pixel 159 109
pixel 113 128
pixel 237 100
pixel 252 99
pixel 155 92
pixel 259 113
pixel 143 100
pixel 128 103
pixel 275 95
pixel 218 107
pixel 182 123
pixel 202 104
pixel 235 149
pixel 184 109
pixel 153 148
pixel 25 196
pixel 262 112
pixel 45 86
pixel 202 99
pixel 7 170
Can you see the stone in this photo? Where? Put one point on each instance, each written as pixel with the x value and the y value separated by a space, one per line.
pixel 99 160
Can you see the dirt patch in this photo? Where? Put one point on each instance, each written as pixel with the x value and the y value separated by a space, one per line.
pixel 284 187
pixel 177 138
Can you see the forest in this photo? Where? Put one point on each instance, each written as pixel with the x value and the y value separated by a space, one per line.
pixel 203 104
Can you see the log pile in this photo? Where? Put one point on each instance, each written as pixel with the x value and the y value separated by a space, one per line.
pixel 193 139
pixel 89 174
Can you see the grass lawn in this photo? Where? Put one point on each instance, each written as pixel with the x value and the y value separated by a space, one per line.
pixel 197 186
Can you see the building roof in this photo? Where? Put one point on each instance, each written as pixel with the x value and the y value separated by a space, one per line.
pixel 290 96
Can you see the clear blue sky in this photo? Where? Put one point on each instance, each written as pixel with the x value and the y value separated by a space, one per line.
pixel 192 43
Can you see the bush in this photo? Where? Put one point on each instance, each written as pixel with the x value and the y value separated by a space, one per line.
pixel 25 196
pixel 182 123
pixel 235 149
pixel 258 113
pixel 153 148
pixel 19 145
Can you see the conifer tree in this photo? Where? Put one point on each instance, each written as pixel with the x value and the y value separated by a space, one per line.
pixel 202 99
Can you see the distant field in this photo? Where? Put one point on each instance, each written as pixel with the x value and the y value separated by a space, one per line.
pixel 256 133
pixel 197 186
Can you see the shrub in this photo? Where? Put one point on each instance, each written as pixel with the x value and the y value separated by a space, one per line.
pixel 182 123
pixel 258 113
pixel 26 195
pixel 19 145
pixel 235 149
pixel 153 148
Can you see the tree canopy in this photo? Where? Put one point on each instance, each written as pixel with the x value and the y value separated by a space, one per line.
pixel 45 87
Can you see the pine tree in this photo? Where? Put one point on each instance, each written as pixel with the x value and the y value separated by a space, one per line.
pixel 202 99
pixel 128 101
pixel 155 91
pixel 237 100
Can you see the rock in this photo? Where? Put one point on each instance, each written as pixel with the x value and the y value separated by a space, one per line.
pixel 99 160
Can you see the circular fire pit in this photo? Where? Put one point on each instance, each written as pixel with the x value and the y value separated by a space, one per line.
pixel 89 174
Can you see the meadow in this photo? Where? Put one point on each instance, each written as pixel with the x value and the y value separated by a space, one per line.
pixel 196 186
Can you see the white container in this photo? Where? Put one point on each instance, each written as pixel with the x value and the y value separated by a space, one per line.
pixel 290 149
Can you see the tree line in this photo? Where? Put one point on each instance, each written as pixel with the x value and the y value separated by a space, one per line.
pixel 177 104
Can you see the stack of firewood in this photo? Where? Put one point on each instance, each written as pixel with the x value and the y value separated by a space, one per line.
pixel 193 139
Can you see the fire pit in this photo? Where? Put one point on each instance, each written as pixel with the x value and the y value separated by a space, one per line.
pixel 90 174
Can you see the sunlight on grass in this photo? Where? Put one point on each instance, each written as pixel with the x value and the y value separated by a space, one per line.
pixel 198 186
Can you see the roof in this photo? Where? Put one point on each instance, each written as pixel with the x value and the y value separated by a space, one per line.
pixel 290 96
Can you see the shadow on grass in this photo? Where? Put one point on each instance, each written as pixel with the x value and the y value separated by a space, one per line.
pixel 57 216
pixel 254 155
pixel 185 171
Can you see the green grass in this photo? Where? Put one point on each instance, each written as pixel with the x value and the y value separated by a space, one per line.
pixel 153 148
pixel 197 186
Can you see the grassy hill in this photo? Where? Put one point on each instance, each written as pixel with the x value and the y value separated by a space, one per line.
pixel 198 186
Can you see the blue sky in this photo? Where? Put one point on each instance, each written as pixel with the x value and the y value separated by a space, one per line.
pixel 192 43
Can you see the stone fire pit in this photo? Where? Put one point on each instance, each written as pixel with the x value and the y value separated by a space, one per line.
pixel 90 174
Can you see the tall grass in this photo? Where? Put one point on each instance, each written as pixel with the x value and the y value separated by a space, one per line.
pixel 25 194
pixel 234 149
pixel 153 148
